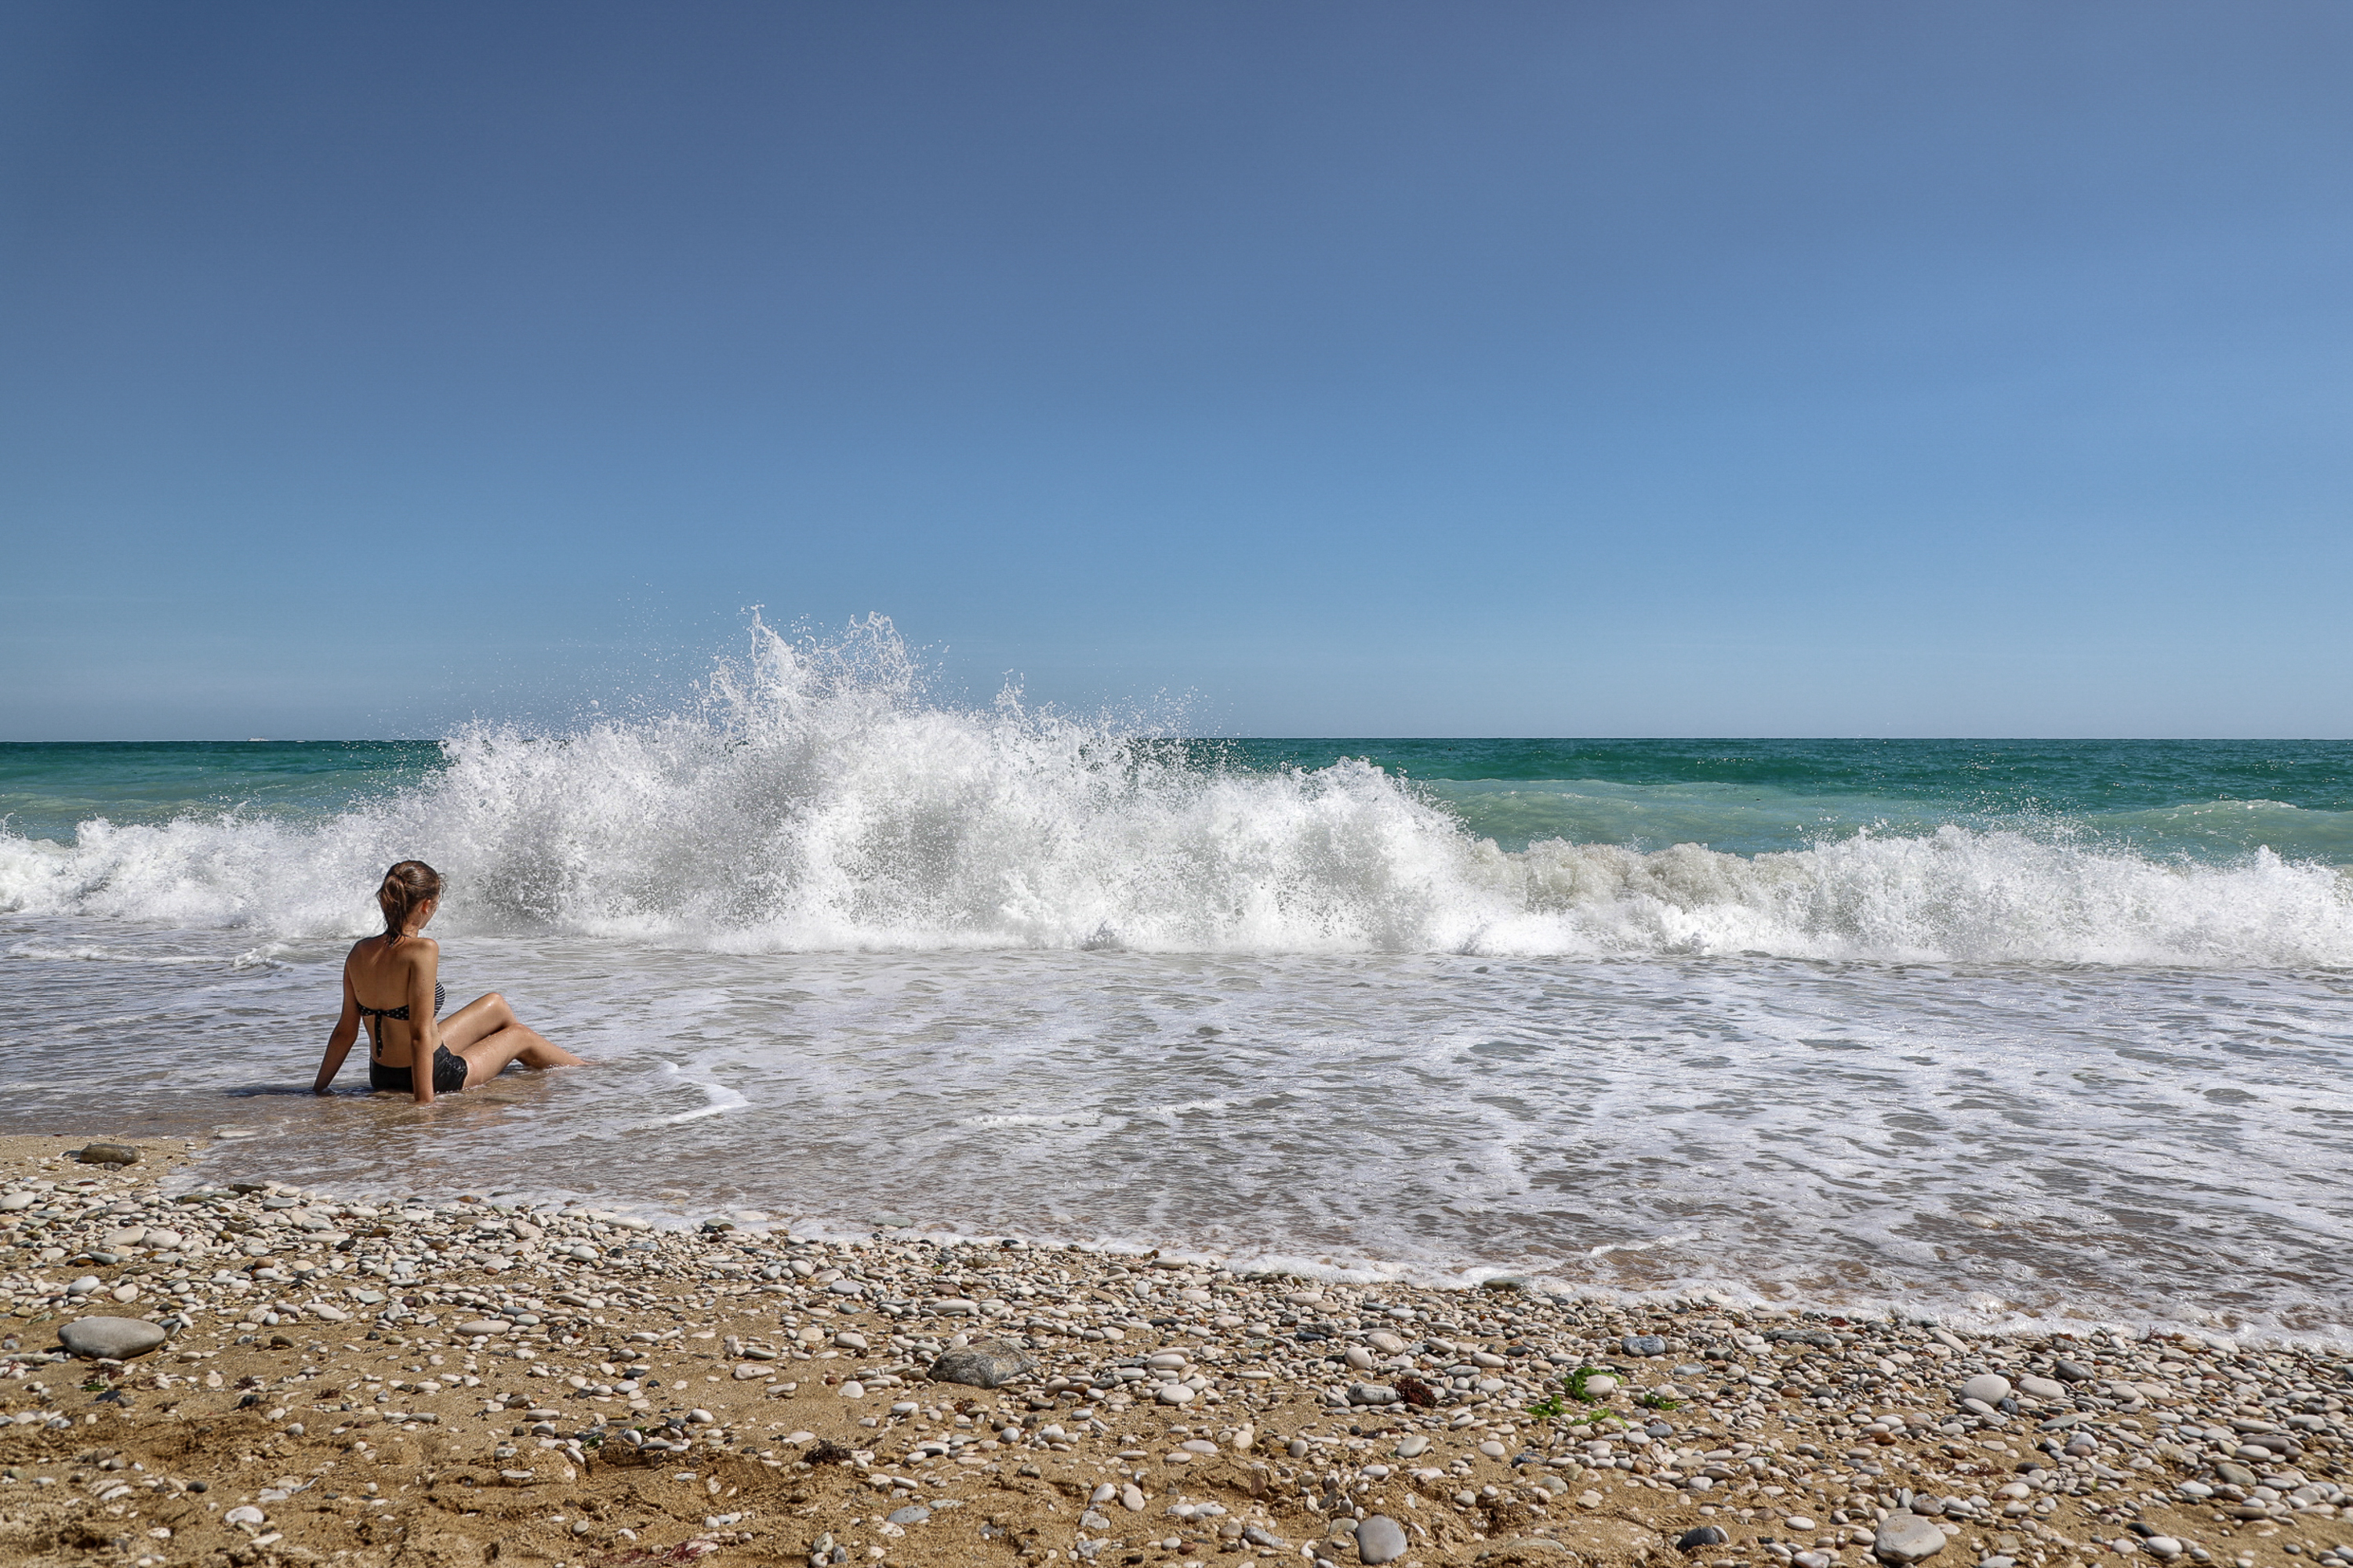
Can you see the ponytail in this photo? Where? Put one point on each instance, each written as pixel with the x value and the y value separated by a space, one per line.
pixel 406 886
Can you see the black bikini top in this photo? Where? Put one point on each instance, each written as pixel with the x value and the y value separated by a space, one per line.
pixel 440 994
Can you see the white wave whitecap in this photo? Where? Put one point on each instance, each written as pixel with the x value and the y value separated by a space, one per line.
pixel 814 800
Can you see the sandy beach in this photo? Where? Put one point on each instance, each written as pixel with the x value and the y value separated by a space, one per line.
pixel 396 1383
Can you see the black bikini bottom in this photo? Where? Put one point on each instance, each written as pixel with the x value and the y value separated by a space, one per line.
pixel 448 1073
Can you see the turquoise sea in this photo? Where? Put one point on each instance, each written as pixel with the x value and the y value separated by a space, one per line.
pixel 1998 1029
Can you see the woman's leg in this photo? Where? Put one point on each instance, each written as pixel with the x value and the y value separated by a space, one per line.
pixel 485 1059
pixel 486 1033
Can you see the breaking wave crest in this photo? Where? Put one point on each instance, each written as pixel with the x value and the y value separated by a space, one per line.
pixel 814 798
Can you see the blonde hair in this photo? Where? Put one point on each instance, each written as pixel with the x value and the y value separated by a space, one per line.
pixel 406 886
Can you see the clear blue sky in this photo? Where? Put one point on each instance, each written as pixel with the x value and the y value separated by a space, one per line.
pixel 1355 368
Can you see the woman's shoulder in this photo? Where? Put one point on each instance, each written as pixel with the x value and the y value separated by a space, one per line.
pixel 410 950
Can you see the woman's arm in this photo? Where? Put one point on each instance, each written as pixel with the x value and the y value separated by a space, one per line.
pixel 424 1028
pixel 339 1042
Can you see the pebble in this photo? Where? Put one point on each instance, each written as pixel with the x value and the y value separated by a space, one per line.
pixel 989 1365
pixel 107 1154
pixel 913 1514
pixel 1380 1539
pixel 2041 1387
pixel 1131 1498
pixel 113 1339
pixel 1906 1537
pixel 1986 1388
pixel 482 1327
pixel 248 1514
pixel 1705 1535
pixel 1642 1345
pixel 1173 1393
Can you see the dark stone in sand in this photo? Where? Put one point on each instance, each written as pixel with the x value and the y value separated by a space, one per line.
pixel 989 1365
pixel 107 1154
pixel 113 1339
pixel 1705 1535
pixel 2069 1371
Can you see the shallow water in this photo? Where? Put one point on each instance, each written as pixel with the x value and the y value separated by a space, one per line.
pixel 1991 1141
pixel 1991 1029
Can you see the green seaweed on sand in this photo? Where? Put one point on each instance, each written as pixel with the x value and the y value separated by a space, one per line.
pixel 1573 1387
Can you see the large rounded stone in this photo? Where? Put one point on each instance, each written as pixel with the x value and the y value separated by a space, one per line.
pixel 1906 1537
pixel 111 1339
pixel 1380 1539
pixel 107 1154
pixel 1989 1387
pixel 987 1365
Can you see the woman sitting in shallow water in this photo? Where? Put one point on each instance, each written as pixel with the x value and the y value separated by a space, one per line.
pixel 393 980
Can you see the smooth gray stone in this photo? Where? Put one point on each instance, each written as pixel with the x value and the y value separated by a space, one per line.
pixel 1642 1345
pixel 2071 1372
pixel 1705 1535
pixel 989 1365
pixel 1380 1539
pixel 1908 1537
pixel 113 1339
pixel 1987 1386
pixel 913 1514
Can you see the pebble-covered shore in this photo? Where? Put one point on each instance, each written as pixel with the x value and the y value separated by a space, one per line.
pixel 294 1378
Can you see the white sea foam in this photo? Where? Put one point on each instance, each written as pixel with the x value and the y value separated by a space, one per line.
pixel 814 799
